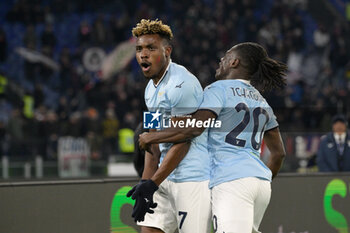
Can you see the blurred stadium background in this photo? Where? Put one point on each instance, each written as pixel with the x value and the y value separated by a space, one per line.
pixel 54 88
pixel 71 93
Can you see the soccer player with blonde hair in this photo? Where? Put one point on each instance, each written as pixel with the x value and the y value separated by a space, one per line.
pixel 175 194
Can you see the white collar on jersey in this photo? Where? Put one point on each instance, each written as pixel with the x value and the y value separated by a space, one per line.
pixel 165 72
pixel 243 80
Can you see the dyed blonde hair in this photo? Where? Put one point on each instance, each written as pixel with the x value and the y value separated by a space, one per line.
pixel 146 27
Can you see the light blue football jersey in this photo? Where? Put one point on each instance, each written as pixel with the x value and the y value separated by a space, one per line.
pixel 179 93
pixel 245 116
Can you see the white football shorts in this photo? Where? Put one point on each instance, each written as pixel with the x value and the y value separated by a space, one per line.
pixel 239 205
pixel 183 206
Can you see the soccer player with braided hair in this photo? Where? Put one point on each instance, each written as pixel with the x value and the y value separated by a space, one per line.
pixel 240 181
pixel 175 194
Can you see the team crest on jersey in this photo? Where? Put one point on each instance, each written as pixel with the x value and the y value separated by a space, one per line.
pixel 152 120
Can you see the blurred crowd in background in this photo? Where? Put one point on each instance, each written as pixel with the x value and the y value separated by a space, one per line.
pixel 40 103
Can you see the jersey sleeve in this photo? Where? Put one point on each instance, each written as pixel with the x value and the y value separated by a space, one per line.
pixel 272 123
pixel 213 100
pixel 185 98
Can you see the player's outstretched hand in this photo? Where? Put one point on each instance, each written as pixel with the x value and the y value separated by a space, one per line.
pixel 143 194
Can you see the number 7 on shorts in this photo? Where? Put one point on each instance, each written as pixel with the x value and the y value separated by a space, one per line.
pixel 184 214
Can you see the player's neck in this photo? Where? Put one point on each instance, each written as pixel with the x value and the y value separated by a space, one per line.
pixel 161 75
pixel 237 74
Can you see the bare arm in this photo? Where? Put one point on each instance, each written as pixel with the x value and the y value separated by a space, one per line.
pixel 176 134
pixel 273 141
pixel 173 157
pixel 151 161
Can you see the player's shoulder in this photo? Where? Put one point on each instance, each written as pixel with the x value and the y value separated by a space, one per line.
pixel 180 79
pixel 180 73
pixel 217 85
pixel 254 93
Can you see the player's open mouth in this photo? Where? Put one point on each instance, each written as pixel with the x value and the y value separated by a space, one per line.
pixel 145 66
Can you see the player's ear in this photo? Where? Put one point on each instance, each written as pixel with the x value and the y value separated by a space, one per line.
pixel 168 50
pixel 234 63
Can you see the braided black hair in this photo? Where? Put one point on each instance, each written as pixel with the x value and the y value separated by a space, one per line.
pixel 265 73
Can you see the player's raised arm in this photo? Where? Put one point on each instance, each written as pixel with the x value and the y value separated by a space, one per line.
pixel 273 140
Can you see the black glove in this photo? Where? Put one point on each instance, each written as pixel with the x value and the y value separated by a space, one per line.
pixel 131 191
pixel 142 207
pixel 139 204
pixel 143 194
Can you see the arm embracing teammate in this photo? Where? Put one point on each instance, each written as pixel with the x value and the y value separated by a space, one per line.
pixel 240 181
